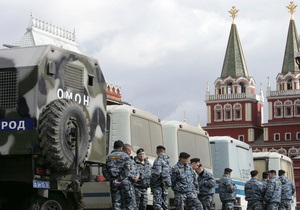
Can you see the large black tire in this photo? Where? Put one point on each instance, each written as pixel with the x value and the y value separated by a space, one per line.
pixel 54 202
pixel 61 125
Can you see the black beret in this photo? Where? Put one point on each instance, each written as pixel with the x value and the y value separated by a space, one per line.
pixel 195 160
pixel 160 147
pixel 227 170
pixel 118 144
pixel 184 155
pixel 140 150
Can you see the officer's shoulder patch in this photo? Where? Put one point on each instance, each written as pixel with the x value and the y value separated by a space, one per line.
pixel 114 157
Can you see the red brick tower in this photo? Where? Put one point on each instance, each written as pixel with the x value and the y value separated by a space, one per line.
pixel 234 109
pixel 282 132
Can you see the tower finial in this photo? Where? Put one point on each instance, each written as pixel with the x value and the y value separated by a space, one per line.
pixel 184 117
pixel 292 8
pixel 233 13
pixel 198 125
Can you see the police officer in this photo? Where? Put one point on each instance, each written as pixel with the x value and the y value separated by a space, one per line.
pixel 254 192
pixel 227 190
pixel 273 191
pixel 117 171
pixel 206 182
pixel 183 184
pixel 143 183
pixel 264 181
pixel 195 162
pixel 133 173
pixel 160 179
pixel 287 191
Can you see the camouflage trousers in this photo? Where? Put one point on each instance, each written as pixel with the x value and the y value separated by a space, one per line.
pixel 77 199
pixel 160 201
pixel 123 196
pixel 285 205
pixel 272 206
pixel 227 205
pixel 141 198
pixel 254 205
pixel 187 201
pixel 207 201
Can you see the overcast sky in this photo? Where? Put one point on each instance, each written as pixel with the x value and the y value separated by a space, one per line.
pixel 163 52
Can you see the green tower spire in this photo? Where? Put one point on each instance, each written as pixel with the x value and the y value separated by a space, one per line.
pixel 234 62
pixel 292 47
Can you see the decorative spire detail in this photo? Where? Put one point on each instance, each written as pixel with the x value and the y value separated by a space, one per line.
pixel 198 125
pixel 292 45
pixel 233 13
pixel 292 7
pixel 184 117
pixel 48 27
pixel 234 62
pixel 207 86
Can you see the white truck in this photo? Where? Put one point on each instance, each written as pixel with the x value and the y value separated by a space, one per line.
pixel 133 126
pixel 265 161
pixel 182 137
pixel 231 153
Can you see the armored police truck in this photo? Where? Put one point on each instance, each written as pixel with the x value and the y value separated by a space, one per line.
pixel 52 125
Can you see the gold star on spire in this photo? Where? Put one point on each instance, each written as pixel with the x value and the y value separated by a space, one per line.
pixel 233 13
pixel 292 8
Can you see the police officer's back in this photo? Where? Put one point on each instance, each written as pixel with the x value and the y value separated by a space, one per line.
pixel 254 190
pixel 287 191
pixel 273 191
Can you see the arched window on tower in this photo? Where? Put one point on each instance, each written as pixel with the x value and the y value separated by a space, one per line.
pixel 241 138
pixel 237 111
pixel 288 108
pixel 289 84
pixel 242 88
pixel 218 113
pixel 228 112
pixel 218 89
pixel 278 109
pixel 229 88
pixel 287 136
pixel 297 108
pixel 276 137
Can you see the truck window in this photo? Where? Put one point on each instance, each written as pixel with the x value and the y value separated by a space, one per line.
pixel 288 167
pixel 260 165
pixel 195 145
pixel 245 160
pixel 203 148
pixel 145 134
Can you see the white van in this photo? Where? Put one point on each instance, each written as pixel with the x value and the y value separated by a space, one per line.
pixel 182 137
pixel 133 126
pixel 231 153
pixel 265 161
